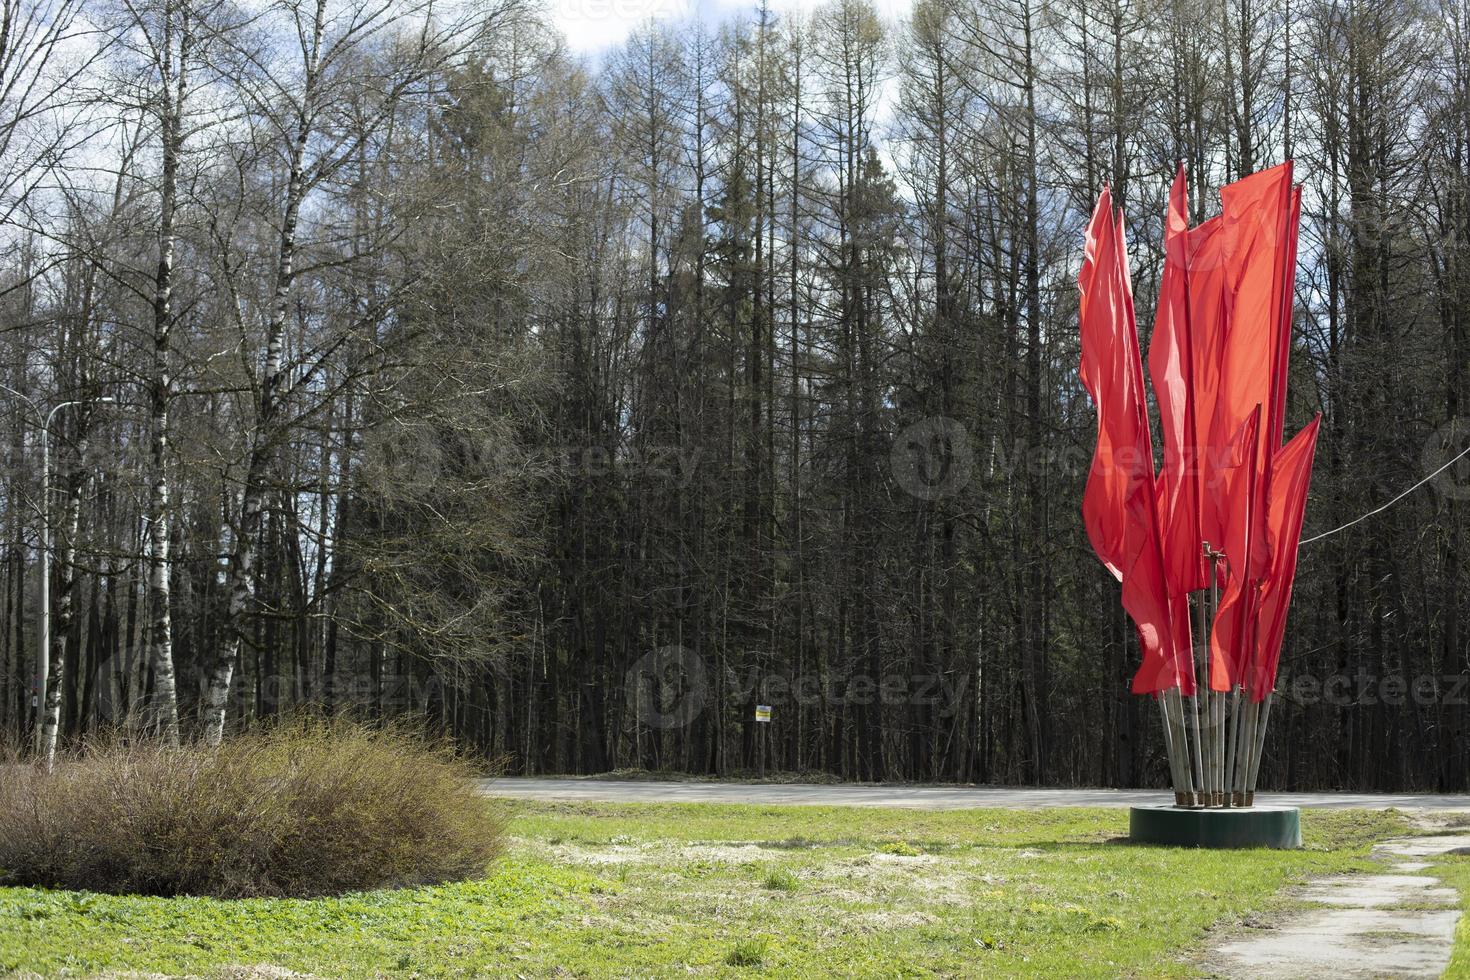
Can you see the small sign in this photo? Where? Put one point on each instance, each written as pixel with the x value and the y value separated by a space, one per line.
pixel 763 712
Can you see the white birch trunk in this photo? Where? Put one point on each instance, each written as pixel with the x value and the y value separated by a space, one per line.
pixel 160 386
pixel 263 439
pixel 61 626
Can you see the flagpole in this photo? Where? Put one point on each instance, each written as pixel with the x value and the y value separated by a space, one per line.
pixel 1181 733
pixel 1252 712
pixel 1198 755
pixel 1233 748
pixel 1201 733
pixel 1184 786
pixel 1255 769
pixel 1196 758
pixel 1188 724
pixel 1169 746
pixel 1217 789
pixel 1216 698
pixel 1217 711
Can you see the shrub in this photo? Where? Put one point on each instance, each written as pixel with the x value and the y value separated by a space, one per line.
pixel 306 808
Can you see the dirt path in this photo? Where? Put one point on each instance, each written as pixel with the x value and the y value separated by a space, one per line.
pixel 1400 923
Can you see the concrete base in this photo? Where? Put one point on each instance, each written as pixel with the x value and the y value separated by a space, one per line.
pixel 1258 826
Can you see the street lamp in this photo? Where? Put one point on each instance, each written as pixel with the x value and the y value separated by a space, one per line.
pixel 43 660
pixel 45 657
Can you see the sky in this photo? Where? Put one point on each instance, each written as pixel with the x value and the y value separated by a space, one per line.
pixel 593 26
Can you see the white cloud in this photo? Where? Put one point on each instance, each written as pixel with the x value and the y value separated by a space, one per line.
pixel 593 26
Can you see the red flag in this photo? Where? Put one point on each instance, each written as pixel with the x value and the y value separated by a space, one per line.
pixel 1281 356
pixel 1219 363
pixel 1105 376
pixel 1208 314
pixel 1292 475
pixel 1119 505
pixel 1256 217
pixel 1146 599
pixel 1171 368
pixel 1183 636
pixel 1164 637
pixel 1235 498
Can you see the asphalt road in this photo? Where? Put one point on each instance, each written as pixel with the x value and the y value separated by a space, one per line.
pixel 917 797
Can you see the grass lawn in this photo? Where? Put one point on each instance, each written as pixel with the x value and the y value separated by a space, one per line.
pixel 1456 871
pixel 713 889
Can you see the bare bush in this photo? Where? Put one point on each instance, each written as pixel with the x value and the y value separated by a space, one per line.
pixel 305 808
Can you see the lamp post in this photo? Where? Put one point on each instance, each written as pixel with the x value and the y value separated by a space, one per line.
pixel 44 661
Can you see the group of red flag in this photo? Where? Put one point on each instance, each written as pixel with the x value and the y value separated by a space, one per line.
pixel 1230 497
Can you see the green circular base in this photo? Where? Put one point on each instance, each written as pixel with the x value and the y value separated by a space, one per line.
pixel 1257 826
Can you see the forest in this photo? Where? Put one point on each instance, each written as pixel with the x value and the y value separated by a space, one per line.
pixel 390 359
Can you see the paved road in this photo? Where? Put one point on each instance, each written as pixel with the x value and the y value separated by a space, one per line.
pixel 917 797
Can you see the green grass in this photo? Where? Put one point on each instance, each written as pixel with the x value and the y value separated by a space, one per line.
pixel 1455 871
pixel 748 952
pixel 721 890
pixel 782 880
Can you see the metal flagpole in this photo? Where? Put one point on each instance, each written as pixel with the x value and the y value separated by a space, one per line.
pixel 1184 791
pixel 1232 745
pixel 1216 698
pixel 1169 745
pixel 1252 713
pixel 1221 744
pixel 1207 748
pixel 1184 787
pixel 1203 735
pixel 1217 749
pixel 1255 770
pixel 1198 753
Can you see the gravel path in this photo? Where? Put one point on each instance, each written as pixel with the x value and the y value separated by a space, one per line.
pixel 917 797
pixel 1397 924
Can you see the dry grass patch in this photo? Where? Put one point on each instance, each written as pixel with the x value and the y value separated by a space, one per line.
pixel 307 808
